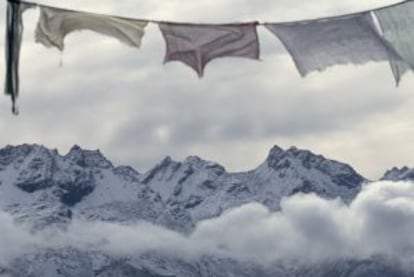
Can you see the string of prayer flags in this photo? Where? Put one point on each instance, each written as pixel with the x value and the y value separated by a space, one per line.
pixel 14 32
pixel 54 24
pixel 383 34
pixel 397 26
pixel 318 44
pixel 196 45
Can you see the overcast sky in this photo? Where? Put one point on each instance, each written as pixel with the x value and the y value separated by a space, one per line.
pixel 125 102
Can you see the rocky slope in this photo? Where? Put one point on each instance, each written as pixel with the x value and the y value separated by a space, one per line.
pixel 43 187
pixel 196 189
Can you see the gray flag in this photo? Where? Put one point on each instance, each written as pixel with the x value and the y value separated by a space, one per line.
pixel 318 44
pixel 397 24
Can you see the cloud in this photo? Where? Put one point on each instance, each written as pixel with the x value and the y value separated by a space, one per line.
pixel 307 229
pixel 378 222
pixel 14 240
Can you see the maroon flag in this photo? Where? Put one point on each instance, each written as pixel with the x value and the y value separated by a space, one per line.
pixel 196 45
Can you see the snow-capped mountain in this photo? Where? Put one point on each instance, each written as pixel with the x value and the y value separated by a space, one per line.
pixel 197 189
pixel 42 188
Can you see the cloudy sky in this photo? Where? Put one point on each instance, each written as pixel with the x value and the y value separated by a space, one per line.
pixel 136 110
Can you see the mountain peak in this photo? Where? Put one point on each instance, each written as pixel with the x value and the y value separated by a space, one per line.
pixel 87 158
pixel 279 158
pixel 276 151
pixel 75 154
pixel 167 160
pixel 194 160
pixel 302 162
pixel 17 154
pixel 199 163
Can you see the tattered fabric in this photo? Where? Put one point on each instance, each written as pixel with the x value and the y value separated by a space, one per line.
pixel 397 24
pixel 318 44
pixel 196 45
pixel 55 24
pixel 14 32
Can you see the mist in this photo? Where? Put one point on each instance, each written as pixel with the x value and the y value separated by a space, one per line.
pixel 308 228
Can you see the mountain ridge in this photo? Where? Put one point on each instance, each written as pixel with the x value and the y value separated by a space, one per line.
pixel 42 188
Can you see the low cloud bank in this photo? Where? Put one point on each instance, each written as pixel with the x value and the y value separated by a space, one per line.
pixel 380 221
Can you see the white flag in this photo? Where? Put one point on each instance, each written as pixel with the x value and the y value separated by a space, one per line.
pixel 54 24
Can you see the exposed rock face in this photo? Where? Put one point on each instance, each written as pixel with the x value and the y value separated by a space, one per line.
pixel 196 189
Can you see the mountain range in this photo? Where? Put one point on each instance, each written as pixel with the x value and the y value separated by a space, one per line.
pixel 41 188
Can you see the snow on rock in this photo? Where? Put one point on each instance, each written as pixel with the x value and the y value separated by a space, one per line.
pixel 196 189
pixel 42 186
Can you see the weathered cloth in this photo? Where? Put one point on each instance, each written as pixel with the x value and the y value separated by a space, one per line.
pixel 54 24
pixel 196 45
pixel 14 32
pixel 397 24
pixel 318 44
